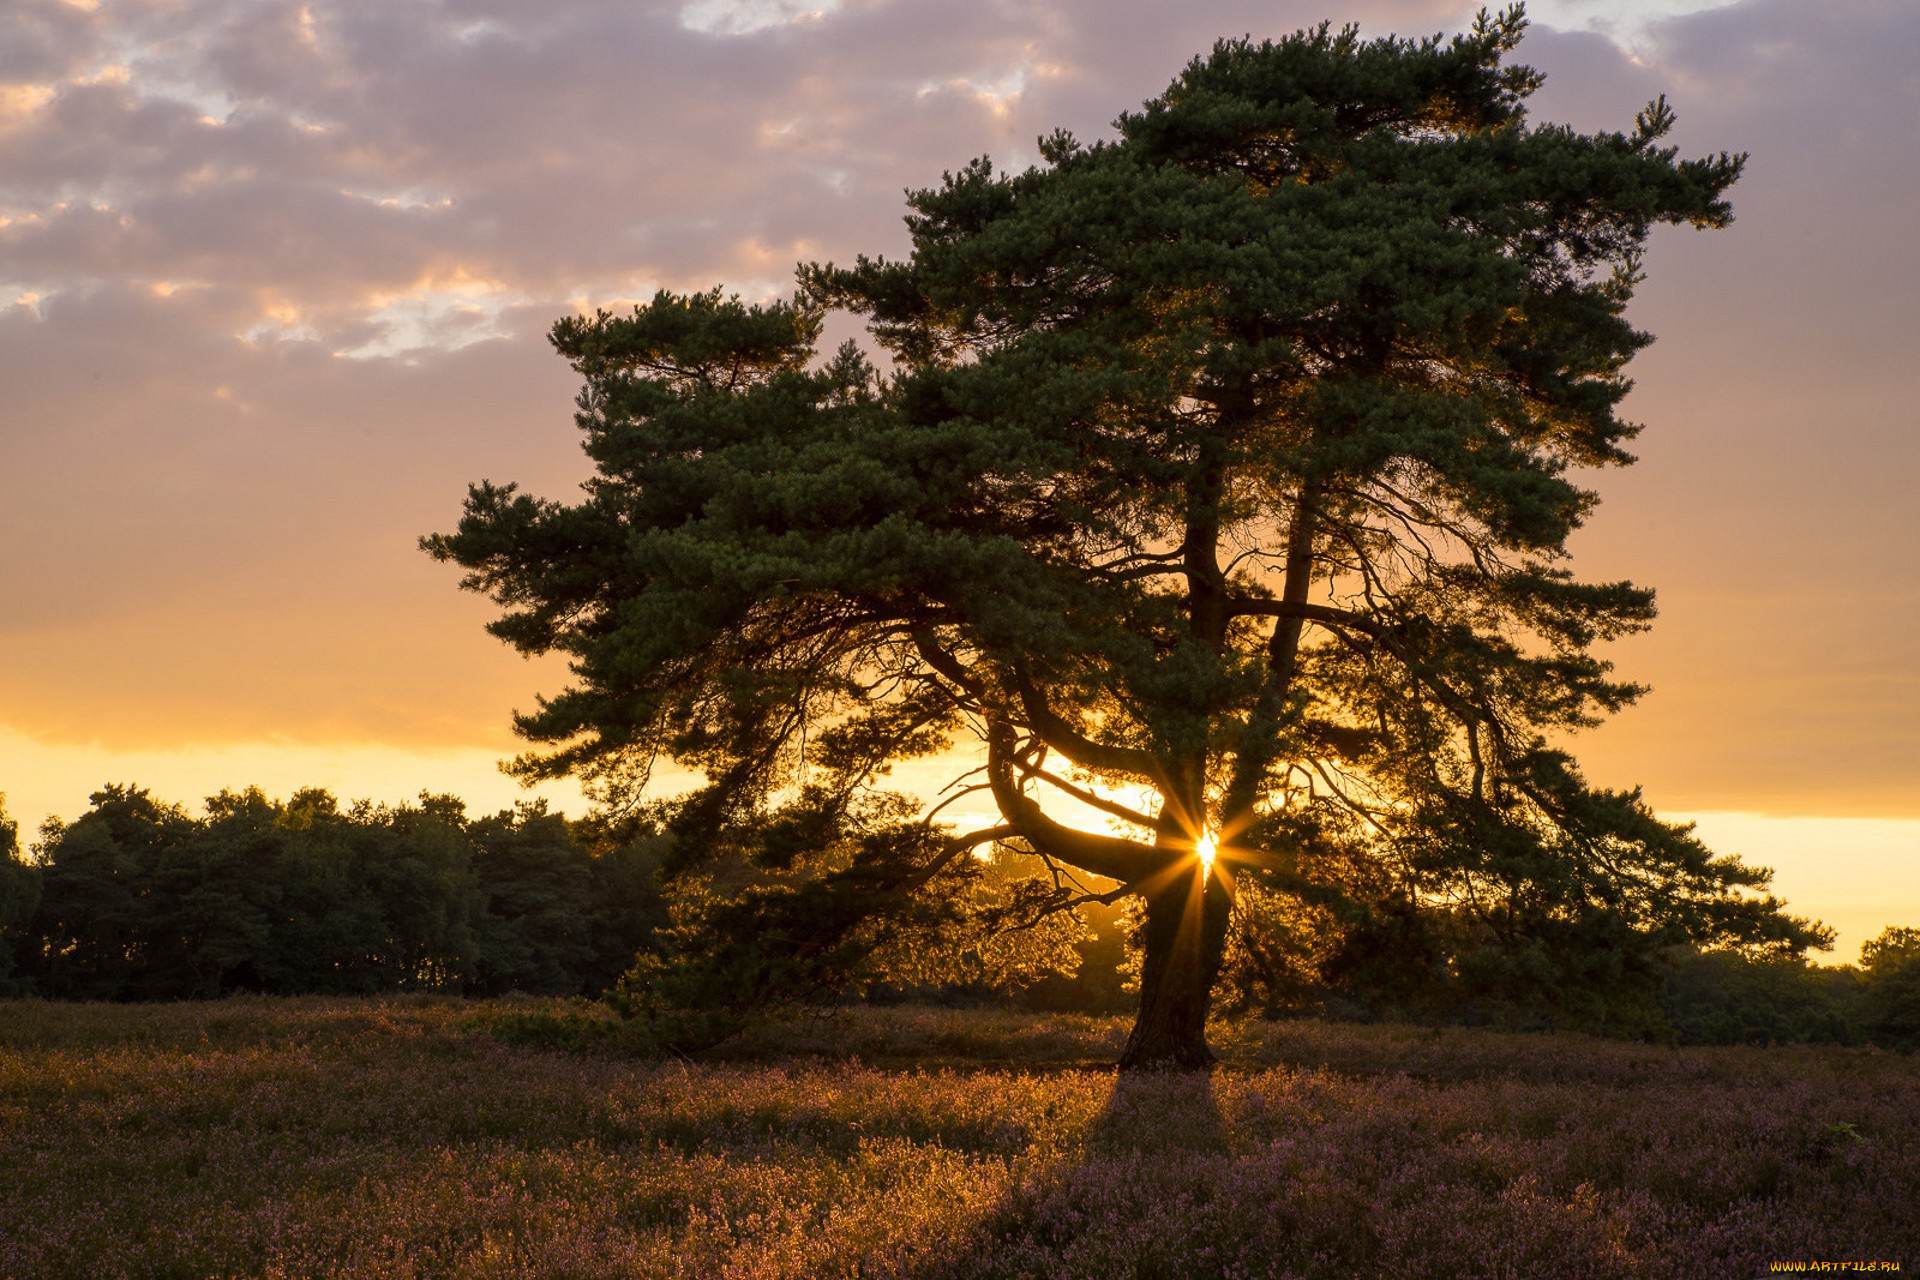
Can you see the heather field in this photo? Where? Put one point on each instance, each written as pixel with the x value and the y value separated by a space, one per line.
pixel 339 1138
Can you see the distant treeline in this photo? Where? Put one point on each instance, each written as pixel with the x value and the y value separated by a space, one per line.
pixel 1438 966
pixel 138 900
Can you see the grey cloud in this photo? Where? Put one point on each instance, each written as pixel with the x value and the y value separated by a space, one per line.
pixel 44 40
pixel 578 148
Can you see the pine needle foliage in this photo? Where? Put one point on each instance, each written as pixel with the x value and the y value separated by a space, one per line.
pixel 1231 460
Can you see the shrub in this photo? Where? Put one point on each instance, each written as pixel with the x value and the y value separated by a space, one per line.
pixel 1890 999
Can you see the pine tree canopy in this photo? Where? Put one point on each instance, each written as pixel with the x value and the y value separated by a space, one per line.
pixel 1229 463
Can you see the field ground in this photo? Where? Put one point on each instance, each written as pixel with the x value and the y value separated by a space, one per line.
pixel 389 1139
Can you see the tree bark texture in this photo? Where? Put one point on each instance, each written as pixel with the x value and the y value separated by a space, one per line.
pixel 1185 939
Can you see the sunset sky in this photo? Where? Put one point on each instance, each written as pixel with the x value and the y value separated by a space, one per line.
pixel 275 279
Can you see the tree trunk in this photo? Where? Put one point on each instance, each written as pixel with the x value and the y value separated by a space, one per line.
pixel 1185 939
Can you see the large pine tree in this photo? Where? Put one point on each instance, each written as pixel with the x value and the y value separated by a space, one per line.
pixel 1229 463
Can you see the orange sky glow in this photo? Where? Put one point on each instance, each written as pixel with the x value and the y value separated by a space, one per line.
pixel 274 280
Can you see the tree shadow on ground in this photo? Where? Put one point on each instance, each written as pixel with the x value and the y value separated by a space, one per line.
pixel 1130 1199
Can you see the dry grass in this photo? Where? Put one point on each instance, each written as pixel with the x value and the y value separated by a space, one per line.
pixel 322 1138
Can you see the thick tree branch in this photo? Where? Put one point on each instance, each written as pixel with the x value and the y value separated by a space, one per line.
pixel 1085 796
pixel 1084 751
pixel 1247 606
pixel 954 847
pixel 1110 856
pixel 1284 649
pixel 1260 748
pixel 945 663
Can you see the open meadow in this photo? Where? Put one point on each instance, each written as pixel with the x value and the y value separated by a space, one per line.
pixel 255 1137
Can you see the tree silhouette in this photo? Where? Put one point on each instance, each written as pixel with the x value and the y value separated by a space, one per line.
pixel 1228 465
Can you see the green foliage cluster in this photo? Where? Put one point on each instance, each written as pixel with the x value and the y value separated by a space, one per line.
pixel 1890 1005
pixel 830 897
pixel 138 900
pixel 1719 997
pixel 1424 968
pixel 1394 961
pixel 1724 998
pixel 19 896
